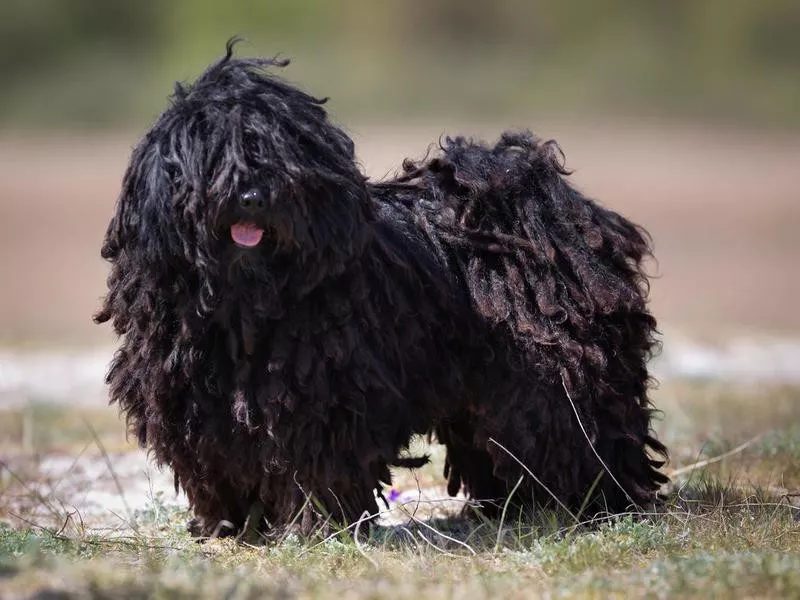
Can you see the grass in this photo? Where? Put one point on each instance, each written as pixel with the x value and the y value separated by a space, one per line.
pixel 730 527
pixel 45 428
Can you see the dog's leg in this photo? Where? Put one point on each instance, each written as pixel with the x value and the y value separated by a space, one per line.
pixel 250 530
pixel 470 466
pixel 219 510
pixel 308 504
pixel 573 453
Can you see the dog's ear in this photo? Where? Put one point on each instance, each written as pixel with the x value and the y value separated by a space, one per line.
pixel 144 217
pixel 144 241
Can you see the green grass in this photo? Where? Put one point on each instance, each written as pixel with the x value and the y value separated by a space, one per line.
pixel 730 527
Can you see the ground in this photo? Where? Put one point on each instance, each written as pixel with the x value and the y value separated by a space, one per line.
pixel 730 524
pixel 84 514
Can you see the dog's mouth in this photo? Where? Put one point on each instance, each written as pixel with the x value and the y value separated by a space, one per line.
pixel 246 234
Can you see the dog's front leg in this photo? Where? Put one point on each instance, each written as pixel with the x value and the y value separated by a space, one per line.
pixel 219 510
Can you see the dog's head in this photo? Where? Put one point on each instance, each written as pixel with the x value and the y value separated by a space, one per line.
pixel 241 170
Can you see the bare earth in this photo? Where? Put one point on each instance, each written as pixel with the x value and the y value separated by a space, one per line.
pixel 723 209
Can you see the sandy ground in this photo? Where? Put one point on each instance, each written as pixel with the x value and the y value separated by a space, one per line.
pixel 116 491
pixel 723 209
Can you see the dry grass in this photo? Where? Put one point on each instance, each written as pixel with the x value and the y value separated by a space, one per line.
pixel 730 527
pixel 44 428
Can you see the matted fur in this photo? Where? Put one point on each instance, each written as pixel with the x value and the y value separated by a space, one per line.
pixel 475 296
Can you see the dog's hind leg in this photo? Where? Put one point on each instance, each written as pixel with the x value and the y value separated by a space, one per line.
pixel 576 453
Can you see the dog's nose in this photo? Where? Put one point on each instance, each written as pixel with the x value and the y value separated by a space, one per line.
pixel 252 200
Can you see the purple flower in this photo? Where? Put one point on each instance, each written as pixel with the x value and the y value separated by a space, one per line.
pixel 394 495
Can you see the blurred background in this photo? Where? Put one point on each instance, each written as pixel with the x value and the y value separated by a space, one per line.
pixel 683 115
pixel 88 64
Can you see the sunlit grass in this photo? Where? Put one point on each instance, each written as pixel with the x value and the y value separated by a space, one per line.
pixel 729 526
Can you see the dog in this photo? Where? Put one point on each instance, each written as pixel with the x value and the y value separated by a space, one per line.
pixel 287 325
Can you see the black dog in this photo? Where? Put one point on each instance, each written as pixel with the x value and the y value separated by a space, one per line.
pixel 287 325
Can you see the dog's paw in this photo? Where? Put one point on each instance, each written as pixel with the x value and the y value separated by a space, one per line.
pixel 203 530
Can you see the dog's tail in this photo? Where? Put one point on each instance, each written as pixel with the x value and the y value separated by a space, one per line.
pixel 559 276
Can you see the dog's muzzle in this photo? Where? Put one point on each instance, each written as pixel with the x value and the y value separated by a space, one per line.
pixel 246 233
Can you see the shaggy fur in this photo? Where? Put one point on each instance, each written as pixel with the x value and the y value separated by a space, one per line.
pixel 477 298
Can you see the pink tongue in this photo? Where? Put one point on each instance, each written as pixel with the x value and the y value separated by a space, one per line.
pixel 246 234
